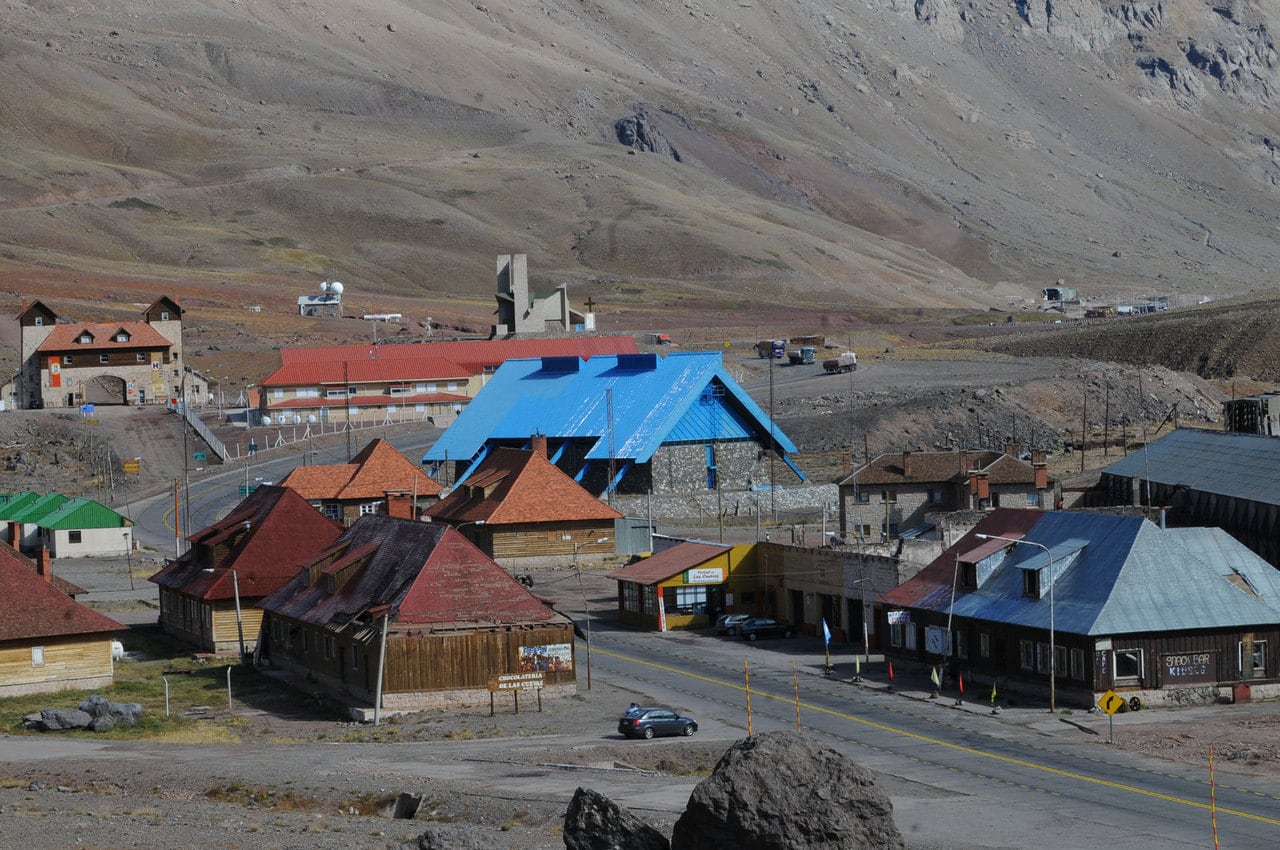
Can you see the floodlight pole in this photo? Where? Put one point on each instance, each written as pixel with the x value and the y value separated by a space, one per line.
pixel 1053 652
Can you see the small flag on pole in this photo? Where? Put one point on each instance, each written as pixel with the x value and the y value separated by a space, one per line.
pixel 826 632
pixel 960 677
pixel 993 693
pixel 857 665
pixel 935 678
pixel 890 671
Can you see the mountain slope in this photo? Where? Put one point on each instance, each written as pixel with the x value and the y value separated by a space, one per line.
pixel 819 154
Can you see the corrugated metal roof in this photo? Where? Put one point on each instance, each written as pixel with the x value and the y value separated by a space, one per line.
pixel 16 503
pixel 472 354
pixel 524 398
pixel 366 369
pixel 1243 466
pixel 83 513
pixel 39 508
pixel 1114 575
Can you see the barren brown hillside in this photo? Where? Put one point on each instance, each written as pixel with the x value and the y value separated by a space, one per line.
pixel 671 160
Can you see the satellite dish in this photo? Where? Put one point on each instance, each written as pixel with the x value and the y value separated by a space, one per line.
pixel 297 420
pixel 324 286
pixel 335 288
pixel 311 419
pixel 266 420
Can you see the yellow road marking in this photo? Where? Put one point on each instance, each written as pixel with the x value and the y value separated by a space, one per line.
pixel 884 727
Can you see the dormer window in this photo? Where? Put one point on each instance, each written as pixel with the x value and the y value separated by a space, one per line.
pixel 39 321
pixel 164 315
pixel 85 338
pixel 969 575
pixel 1031 584
pixel 123 336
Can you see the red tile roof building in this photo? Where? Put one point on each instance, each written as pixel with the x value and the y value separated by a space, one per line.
pixel 519 504
pixel 66 364
pixel 48 641
pixel 379 480
pixel 331 387
pixel 235 562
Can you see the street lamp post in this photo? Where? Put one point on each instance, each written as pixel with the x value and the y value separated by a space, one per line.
pixel 586 611
pixel 1053 651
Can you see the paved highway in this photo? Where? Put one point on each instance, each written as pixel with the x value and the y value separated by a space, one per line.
pixel 971 779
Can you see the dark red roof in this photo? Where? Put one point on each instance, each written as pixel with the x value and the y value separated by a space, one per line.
pixel 283 532
pixel 363 370
pixel 427 572
pixel 62 339
pixel 936 579
pixel 33 608
pixel 518 487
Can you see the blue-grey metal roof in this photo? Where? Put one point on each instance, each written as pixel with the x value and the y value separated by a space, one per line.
pixel 683 397
pixel 1243 466
pixel 1115 575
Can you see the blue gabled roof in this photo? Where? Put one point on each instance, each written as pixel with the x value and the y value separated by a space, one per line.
pixel 1243 466
pixel 1113 575
pixel 655 400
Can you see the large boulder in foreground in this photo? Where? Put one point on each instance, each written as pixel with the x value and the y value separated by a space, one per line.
pixel 780 791
pixel 594 822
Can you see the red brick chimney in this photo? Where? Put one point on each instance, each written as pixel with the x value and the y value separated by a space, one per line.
pixel 44 564
pixel 984 485
pixel 1042 475
pixel 400 504
pixel 906 464
pixel 539 444
pixel 1039 456
pixel 1013 449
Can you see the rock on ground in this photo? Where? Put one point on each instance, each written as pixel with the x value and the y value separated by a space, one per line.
pixel 781 791
pixel 594 822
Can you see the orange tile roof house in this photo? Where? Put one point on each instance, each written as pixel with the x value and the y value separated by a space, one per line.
pixel 519 504
pixel 48 641
pixel 379 480
pixel 895 493
pixel 416 610
pixel 209 596
pixel 66 364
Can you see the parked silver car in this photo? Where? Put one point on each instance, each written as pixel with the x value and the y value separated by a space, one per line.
pixel 727 624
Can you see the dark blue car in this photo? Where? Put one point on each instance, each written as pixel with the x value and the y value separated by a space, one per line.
pixel 764 627
pixel 651 722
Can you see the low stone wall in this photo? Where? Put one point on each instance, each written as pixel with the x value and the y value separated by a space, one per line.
pixel 705 505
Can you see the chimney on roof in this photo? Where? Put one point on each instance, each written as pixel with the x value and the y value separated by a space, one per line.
pixel 984 486
pixel 1013 450
pixel 399 504
pixel 1041 471
pixel 15 535
pixel 1039 456
pixel 906 464
pixel 538 442
pixel 44 564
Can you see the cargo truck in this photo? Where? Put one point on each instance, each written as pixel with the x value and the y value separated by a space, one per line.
pixel 847 362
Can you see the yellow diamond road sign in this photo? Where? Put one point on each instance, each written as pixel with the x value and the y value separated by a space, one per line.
pixel 1111 702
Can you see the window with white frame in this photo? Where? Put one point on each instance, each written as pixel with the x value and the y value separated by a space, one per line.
pixel 419 408
pixel 1128 666
pixel 693 598
pixel 333 511
pixel 1033 498
pixel 400 389
pixel 104 358
pixel 371 508
pixel 277 392
pixel 140 357
pixel 1077 664
pixel 85 339
pixel 1027 655
pixel 164 315
pixel 984 645
pixel 37 656
pixel 335 392
pixel 431 387
pixel 897 634
pixel 66 360
pixel 75 535
pixel 452 386
pixel 420 388
pixel 649 600
pixel 307 392
pixel 122 337
pixel 39 321
pixel 1031 584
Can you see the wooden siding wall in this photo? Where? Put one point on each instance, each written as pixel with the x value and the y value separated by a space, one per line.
pixel 1225 644
pixel 427 662
pixel 79 662
pixel 225 636
pixel 543 539
pixel 415 662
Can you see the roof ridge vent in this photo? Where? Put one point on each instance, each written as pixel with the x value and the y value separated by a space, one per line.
pixel 564 365
pixel 645 362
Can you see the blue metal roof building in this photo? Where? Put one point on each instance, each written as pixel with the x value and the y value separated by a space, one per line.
pixel 1117 596
pixel 1205 478
pixel 624 414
